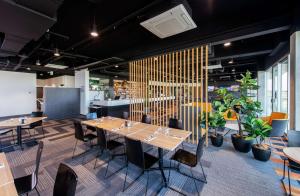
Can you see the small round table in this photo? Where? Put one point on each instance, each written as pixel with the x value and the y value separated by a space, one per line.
pixel 292 153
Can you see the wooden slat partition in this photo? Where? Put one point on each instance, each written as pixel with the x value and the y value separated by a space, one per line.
pixel 172 85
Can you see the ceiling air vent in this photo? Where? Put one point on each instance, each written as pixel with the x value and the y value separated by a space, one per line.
pixel 171 22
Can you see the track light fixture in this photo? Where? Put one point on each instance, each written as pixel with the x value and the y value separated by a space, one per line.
pixel 56 52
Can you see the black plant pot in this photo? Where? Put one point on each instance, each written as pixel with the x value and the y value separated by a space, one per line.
pixel 240 144
pixel 260 153
pixel 216 140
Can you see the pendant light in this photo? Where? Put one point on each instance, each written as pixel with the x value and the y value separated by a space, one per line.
pixel 94 32
pixel 56 52
pixel 38 62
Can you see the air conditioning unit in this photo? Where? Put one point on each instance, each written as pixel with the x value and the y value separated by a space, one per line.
pixel 170 22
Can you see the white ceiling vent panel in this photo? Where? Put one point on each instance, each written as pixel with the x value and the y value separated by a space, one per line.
pixel 171 22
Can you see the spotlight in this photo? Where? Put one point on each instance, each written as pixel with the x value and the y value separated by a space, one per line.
pixel 56 52
pixel 227 44
pixel 231 61
pixel 233 70
pixel 28 68
pixel 116 66
pixel 38 62
pixel 116 76
pixel 94 32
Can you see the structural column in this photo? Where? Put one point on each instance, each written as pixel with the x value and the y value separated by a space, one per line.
pixel 82 82
pixel 295 71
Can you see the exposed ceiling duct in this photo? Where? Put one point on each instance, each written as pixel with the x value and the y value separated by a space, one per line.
pixel 24 21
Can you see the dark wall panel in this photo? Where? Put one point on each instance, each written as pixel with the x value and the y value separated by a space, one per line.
pixel 61 103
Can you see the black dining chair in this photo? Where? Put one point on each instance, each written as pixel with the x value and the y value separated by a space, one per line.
pixel 28 183
pixel 139 158
pixel 146 118
pixel 4 132
pixel 108 146
pixel 91 116
pixel 176 124
pixel 191 160
pixel 35 124
pixel 293 141
pixel 81 136
pixel 65 181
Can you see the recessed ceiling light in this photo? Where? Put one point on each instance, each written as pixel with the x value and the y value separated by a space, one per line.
pixel 38 62
pixel 233 70
pixel 227 44
pixel 56 52
pixel 231 61
pixel 41 74
pixel 28 68
pixel 116 76
pixel 116 66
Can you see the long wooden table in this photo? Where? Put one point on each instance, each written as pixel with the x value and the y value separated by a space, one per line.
pixel 7 186
pixel 160 137
pixel 15 122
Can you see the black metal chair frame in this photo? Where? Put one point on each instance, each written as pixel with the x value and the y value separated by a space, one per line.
pixel 83 135
pixel 35 124
pixel 143 169
pixel 3 132
pixel 36 171
pixel 283 177
pixel 69 172
pixel 198 159
pixel 104 147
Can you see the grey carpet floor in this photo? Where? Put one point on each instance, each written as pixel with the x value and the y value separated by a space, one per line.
pixel 228 172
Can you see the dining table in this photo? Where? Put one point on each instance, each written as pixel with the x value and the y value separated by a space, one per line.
pixel 18 123
pixel 7 185
pixel 163 138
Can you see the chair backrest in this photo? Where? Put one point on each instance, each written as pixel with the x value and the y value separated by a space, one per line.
pixel 135 153
pixel 38 123
pixel 146 119
pixel 79 134
pixel 293 138
pixel 175 123
pixel 65 181
pixel 125 115
pixel 38 159
pixel 91 116
pixel 278 127
pixel 200 148
pixel 101 137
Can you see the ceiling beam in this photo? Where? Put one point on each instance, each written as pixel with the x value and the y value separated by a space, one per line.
pixel 256 53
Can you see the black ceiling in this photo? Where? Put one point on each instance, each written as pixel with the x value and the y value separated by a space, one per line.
pixel 255 28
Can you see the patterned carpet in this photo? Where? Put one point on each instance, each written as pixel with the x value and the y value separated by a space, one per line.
pixel 228 172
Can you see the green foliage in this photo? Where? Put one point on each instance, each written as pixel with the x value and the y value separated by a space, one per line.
pixel 224 102
pixel 215 120
pixel 257 128
pixel 247 83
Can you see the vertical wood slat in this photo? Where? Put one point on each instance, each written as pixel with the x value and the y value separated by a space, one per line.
pixel 172 75
pixel 206 91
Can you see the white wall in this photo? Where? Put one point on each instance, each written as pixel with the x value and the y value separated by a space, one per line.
pixel 67 81
pixel 82 82
pixel 17 93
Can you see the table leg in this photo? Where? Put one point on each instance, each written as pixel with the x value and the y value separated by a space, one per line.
pixel 161 164
pixel 19 137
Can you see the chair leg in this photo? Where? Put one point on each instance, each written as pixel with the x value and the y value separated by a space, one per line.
pixel 169 171
pixel 98 155
pixel 13 136
pixel 107 167
pixel 125 177
pixel 283 176
pixel 147 182
pixel 37 191
pixel 194 181
pixel 43 132
pixel 290 191
pixel 74 148
pixel 282 141
pixel 205 181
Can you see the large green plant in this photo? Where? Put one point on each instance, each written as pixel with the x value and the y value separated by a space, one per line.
pixel 250 109
pixel 224 102
pixel 257 129
pixel 215 120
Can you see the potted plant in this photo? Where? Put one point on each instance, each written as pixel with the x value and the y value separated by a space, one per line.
pixel 247 108
pixel 215 121
pixel 259 130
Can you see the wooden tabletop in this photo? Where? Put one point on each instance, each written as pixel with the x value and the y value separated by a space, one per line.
pixel 292 153
pixel 7 186
pixel 14 122
pixel 162 137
